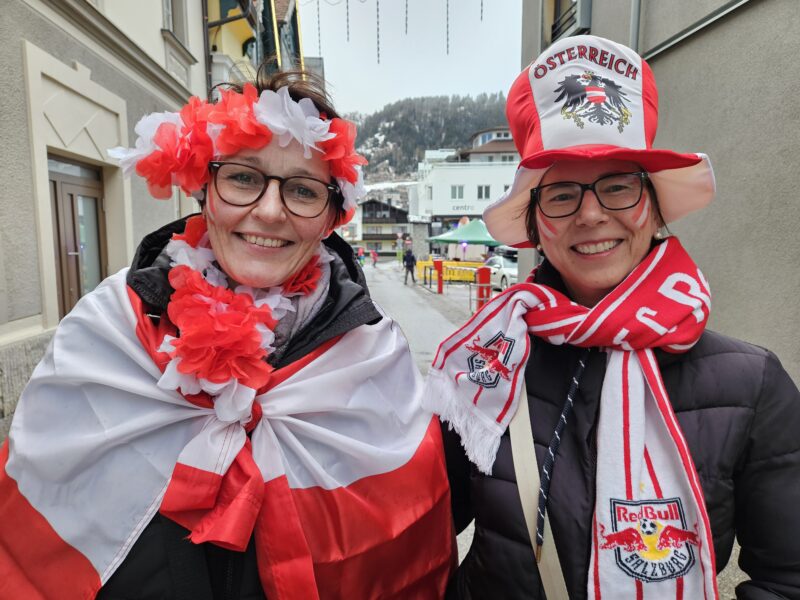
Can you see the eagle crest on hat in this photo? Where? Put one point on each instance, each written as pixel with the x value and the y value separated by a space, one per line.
pixel 597 99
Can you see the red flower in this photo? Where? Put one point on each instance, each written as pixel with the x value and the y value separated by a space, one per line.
pixel 195 152
pixel 241 128
pixel 182 155
pixel 340 151
pixel 305 280
pixel 195 112
pixel 157 167
pixel 218 336
pixel 193 232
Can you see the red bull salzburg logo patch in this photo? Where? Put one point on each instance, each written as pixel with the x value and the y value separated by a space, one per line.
pixel 596 99
pixel 650 539
pixel 488 363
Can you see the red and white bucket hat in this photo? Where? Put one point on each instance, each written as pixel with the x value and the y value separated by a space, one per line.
pixel 586 97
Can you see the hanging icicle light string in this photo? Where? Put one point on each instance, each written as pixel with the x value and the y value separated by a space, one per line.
pixel 377 21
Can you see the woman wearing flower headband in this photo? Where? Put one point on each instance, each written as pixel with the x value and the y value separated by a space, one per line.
pixel 231 417
pixel 656 440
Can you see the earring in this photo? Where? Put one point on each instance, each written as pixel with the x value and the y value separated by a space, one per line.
pixel 538 247
pixel 659 235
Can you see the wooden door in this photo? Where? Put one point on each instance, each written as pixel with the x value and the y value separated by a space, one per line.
pixel 80 244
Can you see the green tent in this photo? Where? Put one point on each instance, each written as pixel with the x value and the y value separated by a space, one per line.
pixel 474 232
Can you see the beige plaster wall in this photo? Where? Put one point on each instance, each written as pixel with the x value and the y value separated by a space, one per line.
pixel 729 92
pixel 18 243
pixel 661 20
pixel 142 21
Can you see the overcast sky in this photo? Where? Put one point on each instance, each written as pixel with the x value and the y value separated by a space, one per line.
pixel 484 55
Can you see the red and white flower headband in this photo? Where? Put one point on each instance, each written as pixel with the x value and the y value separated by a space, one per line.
pixel 175 148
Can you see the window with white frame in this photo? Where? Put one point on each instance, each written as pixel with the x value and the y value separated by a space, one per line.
pixel 483 192
pixel 457 192
pixel 175 18
pixel 429 189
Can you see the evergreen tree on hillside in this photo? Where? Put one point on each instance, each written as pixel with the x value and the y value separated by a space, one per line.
pixel 395 138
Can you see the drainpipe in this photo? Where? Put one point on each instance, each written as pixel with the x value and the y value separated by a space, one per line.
pixel 636 10
pixel 206 48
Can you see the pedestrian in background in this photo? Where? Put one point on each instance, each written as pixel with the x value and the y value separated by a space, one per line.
pixel 656 440
pixel 374 256
pixel 410 264
pixel 222 420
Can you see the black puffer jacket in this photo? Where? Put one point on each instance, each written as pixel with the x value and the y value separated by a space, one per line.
pixel 740 414
pixel 163 564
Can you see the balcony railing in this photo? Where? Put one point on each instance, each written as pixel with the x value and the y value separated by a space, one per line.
pixel 385 220
pixel 378 236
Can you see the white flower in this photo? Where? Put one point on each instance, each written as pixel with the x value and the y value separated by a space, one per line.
pixel 267 337
pixel 272 297
pixel 181 253
pixel 145 130
pixel 215 276
pixel 172 379
pixel 232 400
pixel 166 344
pixel 290 120
pixel 352 192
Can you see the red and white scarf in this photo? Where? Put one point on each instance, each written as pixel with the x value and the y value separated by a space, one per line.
pixel 650 528
pixel 327 481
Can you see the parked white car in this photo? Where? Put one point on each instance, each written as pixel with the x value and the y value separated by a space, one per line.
pixel 504 271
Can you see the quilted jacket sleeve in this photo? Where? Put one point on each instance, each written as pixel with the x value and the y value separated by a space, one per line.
pixel 458 472
pixel 768 492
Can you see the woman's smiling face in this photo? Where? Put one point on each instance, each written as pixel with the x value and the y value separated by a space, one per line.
pixel 263 244
pixel 595 248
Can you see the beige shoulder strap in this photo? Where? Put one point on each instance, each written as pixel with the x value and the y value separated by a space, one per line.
pixel 527 472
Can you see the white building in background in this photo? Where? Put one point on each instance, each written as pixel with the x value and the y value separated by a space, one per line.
pixel 454 184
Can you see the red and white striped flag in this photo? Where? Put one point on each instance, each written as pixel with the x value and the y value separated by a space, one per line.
pixel 342 479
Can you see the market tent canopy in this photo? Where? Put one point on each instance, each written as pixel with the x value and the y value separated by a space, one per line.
pixel 474 232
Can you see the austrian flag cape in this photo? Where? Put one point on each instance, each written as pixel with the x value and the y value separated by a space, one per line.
pixel 341 480
pixel 651 533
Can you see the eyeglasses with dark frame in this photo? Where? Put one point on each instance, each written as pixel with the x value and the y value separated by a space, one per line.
pixel 243 185
pixel 618 191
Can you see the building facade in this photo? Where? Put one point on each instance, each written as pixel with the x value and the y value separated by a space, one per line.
pixel 456 184
pixel 83 73
pixel 80 74
pixel 384 226
pixel 727 82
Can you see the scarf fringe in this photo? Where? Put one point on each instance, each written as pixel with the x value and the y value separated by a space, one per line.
pixel 480 437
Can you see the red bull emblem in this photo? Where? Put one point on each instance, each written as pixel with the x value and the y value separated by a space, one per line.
pixel 488 363
pixel 650 539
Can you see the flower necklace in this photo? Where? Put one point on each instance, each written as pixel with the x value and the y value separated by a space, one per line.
pixel 225 335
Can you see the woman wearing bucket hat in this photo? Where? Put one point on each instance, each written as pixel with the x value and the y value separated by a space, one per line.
pixel 656 440
pixel 231 417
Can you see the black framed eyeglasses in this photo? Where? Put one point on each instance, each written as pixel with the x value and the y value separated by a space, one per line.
pixel 242 185
pixel 614 192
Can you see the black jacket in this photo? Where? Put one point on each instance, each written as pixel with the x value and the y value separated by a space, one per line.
pixel 740 414
pixel 163 564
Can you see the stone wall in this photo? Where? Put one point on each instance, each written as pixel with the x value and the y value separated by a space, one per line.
pixel 17 362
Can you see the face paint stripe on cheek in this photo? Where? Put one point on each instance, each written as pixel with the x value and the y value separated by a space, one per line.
pixel 644 212
pixel 545 228
pixel 212 205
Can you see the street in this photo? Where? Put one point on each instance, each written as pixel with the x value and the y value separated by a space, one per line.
pixel 426 319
